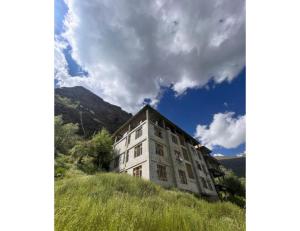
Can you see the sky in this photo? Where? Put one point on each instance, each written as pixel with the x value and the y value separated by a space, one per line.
pixel 186 59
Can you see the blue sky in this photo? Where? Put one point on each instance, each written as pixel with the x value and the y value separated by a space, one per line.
pixel 199 84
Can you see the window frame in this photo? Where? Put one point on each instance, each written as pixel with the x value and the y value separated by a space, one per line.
pixel 117 161
pixel 182 176
pixel 138 132
pixel 185 154
pixel 137 171
pixel 158 132
pixel 162 149
pixel 178 155
pixel 128 139
pixel 138 147
pixel 198 165
pixel 161 171
pixel 204 183
pixel 190 171
pixel 209 183
pixel 174 139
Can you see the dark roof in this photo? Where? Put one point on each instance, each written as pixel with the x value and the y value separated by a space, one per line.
pixel 155 111
pixel 201 147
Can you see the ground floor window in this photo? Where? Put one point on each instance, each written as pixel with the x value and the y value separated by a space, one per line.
pixel 116 162
pixel 182 177
pixel 162 172
pixel 209 185
pixel 137 171
pixel 203 182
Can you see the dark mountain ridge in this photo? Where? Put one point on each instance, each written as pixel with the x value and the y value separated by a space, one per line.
pixel 89 111
pixel 235 163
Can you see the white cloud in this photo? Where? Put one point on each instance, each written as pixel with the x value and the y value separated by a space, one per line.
pixel 218 154
pixel 241 154
pixel 225 131
pixel 132 48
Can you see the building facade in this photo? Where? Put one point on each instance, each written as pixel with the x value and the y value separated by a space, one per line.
pixel 152 147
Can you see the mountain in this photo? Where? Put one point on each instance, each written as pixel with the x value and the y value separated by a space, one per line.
pixel 236 164
pixel 89 111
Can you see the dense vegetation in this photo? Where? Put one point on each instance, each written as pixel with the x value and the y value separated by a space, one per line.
pixel 108 201
pixel 235 188
pixel 75 152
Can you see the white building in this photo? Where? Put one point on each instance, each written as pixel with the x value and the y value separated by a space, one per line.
pixel 152 147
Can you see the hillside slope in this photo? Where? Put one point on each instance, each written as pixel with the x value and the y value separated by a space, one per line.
pixel 236 164
pixel 79 105
pixel 111 201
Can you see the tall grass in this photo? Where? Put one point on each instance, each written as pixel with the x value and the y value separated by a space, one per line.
pixel 111 201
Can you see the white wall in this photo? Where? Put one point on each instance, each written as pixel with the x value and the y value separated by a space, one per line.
pixel 149 159
pixel 120 148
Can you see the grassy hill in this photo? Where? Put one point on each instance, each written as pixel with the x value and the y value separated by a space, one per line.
pixel 109 201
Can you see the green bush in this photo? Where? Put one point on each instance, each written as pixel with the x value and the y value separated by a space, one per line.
pixel 109 201
pixel 61 165
pixel 65 135
pixel 238 200
pixel 94 154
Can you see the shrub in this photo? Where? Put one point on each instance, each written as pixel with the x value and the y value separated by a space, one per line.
pixel 95 154
pixel 65 135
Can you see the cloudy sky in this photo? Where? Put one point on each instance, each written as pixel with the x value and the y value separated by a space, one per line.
pixel 186 58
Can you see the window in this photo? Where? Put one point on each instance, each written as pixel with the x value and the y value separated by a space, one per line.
pixel 209 185
pixel 204 169
pixel 159 149
pixel 138 150
pixel 137 172
pixel 181 139
pixel 199 155
pixel 116 162
pixel 127 157
pixel 182 177
pixel 174 139
pixel 178 155
pixel 128 141
pixel 162 172
pixel 138 133
pixel 185 154
pixel 123 157
pixel 158 132
pixel 190 171
pixel 198 165
pixel 203 182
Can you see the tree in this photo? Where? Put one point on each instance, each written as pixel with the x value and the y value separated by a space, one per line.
pixel 102 148
pixel 81 150
pixel 98 150
pixel 65 135
pixel 234 185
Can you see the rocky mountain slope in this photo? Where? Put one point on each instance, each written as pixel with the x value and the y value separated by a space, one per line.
pixel 236 164
pixel 89 111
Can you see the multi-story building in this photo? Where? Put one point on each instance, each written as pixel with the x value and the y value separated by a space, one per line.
pixel 152 147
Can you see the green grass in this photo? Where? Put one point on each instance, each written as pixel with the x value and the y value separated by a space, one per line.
pixel 109 201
